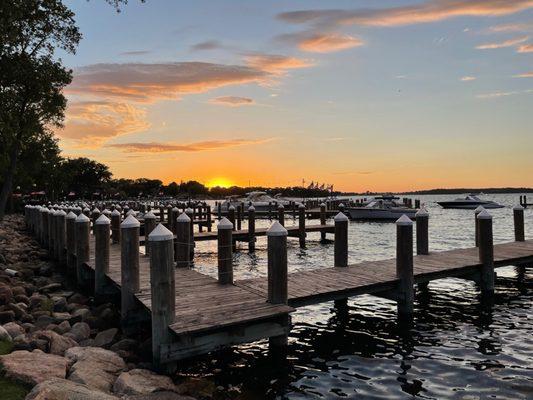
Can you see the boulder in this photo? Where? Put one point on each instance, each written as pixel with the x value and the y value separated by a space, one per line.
pixel 79 331
pixel 13 329
pixel 62 389
pixel 142 381
pixel 33 367
pixel 159 396
pixel 57 344
pixel 105 338
pixel 4 335
pixel 94 366
pixel 6 294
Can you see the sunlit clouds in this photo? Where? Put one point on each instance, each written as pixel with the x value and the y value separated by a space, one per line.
pixel 158 147
pixel 506 43
pixel 275 64
pixel 232 101
pixel 468 78
pixel 320 42
pixel 524 75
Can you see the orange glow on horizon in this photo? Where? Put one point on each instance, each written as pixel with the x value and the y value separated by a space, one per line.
pixel 220 182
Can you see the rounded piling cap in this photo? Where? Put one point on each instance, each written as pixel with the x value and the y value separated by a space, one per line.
pixel 280 206
pixel 518 207
pixel 189 210
pixel 82 218
pixel 61 213
pixel 71 215
pixel 341 205
pixel 404 220
pixel 149 215
pixel 118 208
pixel 183 218
pixel 160 234
pixel 484 215
pixel 224 223
pixel 102 220
pixel 175 209
pixel 301 205
pixel 231 208
pixel 340 217
pixel 422 212
pixel 479 209
pixel 251 208
pixel 86 209
pixel 115 212
pixel 131 212
pixel 130 222
pixel 322 204
pixel 106 212
pixel 276 229
pixel 96 211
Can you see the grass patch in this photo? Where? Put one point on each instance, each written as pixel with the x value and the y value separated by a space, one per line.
pixel 5 347
pixel 12 391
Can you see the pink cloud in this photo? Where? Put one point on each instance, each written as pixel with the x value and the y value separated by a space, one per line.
pixel 233 101
pixel 159 147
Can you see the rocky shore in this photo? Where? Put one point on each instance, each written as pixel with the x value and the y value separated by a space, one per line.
pixel 56 343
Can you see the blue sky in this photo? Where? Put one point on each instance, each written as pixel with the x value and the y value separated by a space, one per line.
pixel 367 95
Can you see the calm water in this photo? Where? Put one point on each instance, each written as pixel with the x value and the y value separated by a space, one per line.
pixel 458 346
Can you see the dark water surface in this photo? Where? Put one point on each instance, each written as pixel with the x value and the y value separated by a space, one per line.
pixel 458 347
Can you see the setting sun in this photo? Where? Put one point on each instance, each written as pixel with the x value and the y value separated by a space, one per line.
pixel 220 182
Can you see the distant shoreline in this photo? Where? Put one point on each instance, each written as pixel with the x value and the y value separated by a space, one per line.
pixel 452 191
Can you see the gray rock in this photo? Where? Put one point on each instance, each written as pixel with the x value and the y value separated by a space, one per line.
pixel 62 389
pixel 33 367
pixel 95 367
pixel 14 329
pixel 142 381
pixel 63 327
pixel 79 332
pixel 105 338
pixel 4 335
pixel 60 303
pixel 159 396
pixel 57 344
pixel 125 344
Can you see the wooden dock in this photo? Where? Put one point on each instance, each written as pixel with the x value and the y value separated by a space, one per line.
pixel 192 313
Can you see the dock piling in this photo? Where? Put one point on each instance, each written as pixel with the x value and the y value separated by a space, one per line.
pixel 486 251
pixel 61 236
pixel 102 232
pixel 225 251
pixel 518 217
pixel 83 231
pixel 129 266
pixel 422 232
pixel 149 226
pixel 341 240
pixel 281 214
pixel 301 225
pixel 476 213
pixel 116 218
pixel 183 230
pixel 404 266
pixel 251 229
pixel 162 286
pixel 322 220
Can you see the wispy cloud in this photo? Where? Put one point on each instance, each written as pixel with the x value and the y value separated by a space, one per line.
pixel 151 82
pixel 428 11
pixel 135 53
pixel 165 147
pixel 525 48
pixel 506 43
pixel 274 63
pixel 320 42
pixel 90 123
pixel 468 78
pixel 232 101
pixel 207 45
pixel 512 27
pixel 524 75
pixel 495 95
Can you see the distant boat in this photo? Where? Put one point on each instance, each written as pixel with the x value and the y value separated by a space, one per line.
pixel 260 200
pixel 381 208
pixel 469 202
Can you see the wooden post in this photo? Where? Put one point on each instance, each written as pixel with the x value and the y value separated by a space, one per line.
pixel 174 213
pixel 422 231
pixel 225 251
pixel 162 286
pixel 251 229
pixel 61 236
pixel 518 217
pixel 209 219
pixel 281 214
pixel 51 232
pixel 183 231
pixel 486 251
pixel 404 265
pixel 240 214
pixel 149 225
pixel 231 215
pixel 277 276
pixel 95 214
pixel 190 214
pixel 129 265
pixel 322 220
pixel 116 218
pixel 301 225
pixel 341 208
pixel 102 233
pixel 71 241
pixel 341 240
pixel 83 230
pixel 476 213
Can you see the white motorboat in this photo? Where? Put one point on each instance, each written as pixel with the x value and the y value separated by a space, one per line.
pixel 260 200
pixel 470 202
pixel 381 208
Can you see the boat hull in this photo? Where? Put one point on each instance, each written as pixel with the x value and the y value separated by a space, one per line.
pixel 380 214
pixel 468 205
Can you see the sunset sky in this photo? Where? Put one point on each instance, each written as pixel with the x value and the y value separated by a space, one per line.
pixel 381 95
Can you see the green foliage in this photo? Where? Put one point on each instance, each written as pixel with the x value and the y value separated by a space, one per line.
pixel 5 347
pixel 11 390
